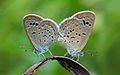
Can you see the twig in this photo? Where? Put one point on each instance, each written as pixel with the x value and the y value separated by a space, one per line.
pixel 67 63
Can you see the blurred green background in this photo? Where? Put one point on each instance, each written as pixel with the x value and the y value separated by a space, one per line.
pixel 102 50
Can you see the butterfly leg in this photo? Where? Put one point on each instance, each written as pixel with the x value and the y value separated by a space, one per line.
pixel 47 49
pixel 75 58
pixel 78 58
pixel 50 52
pixel 43 55
pixel 67 55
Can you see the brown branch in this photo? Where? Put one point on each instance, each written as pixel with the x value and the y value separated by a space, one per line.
pixel 67 63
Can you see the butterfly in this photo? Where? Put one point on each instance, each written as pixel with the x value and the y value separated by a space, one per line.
pixel 75 31
pixel 41 32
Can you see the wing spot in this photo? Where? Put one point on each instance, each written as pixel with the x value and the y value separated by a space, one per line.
pixel 64 36
pixel 68 33
pixel 71 41
pixel 36 24
pixel 67 36
pixel 48 30
pixel 28 26
pixel 52 36
pixel 73 30
pixel 45 35
pixel 77 41
pixel 73 37
pixel 44 40
pixel 79 34
pixel 30 23
pixel 83 34
pixel 84 22
pixel 76 33
pixel 89 24
pixel 33 32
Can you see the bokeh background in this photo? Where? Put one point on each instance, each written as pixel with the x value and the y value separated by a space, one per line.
pixel 102 50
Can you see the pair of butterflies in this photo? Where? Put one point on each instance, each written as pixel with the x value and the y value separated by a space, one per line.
pixel 73 31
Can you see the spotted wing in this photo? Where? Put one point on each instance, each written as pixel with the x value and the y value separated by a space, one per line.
pixel 35 27
pixel 48 32
pixel 75 30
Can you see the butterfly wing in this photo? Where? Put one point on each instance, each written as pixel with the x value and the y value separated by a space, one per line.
pixel 48 32
pixel 86 19
pixel 75 31
pixel 35 27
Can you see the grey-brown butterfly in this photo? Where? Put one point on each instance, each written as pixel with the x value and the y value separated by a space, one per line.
pixel 75 31
pixel 41 32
